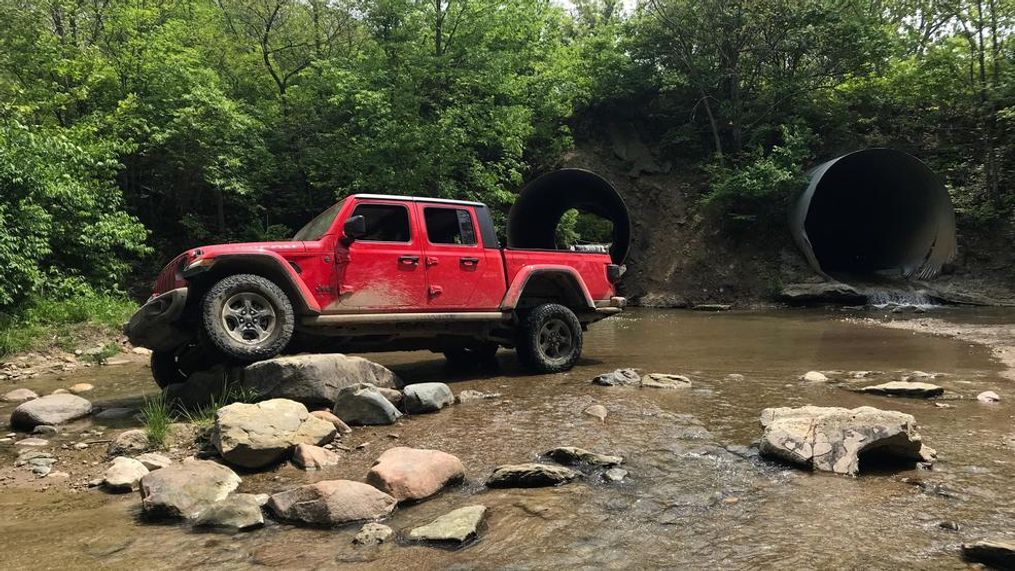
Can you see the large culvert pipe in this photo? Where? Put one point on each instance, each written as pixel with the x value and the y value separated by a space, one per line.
pixel 877 211
pixel 532 222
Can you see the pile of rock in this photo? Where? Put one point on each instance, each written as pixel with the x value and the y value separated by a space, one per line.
pixel 631 377
pixel 537 475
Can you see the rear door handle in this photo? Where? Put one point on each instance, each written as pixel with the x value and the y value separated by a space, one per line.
pixel 408 260
pixel 469 261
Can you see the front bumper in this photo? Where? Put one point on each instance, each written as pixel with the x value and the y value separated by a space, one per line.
pixel 155 325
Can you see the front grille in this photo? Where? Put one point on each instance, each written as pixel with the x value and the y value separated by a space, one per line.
pixel 171 276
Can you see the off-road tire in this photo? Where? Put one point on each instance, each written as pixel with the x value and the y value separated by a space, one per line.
pixel 165 369
pixel 532 349
pixel 279 332
pixel 476 355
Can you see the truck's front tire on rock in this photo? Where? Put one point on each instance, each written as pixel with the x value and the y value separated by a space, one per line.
pixel 550 339
pixel 247 317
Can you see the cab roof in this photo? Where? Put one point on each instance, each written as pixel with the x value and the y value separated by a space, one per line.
pixel 417 199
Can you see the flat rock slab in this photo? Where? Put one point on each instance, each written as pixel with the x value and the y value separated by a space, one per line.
pixel 572 456
pixel 530 475
pixel 904 389
pixel 665 381
pixel 186 489
pixel 332 502
pixel 50 409
pixel 19 395
pixel 363 404
pixel 620 377
pixel 314 380
pixel 458 526
pixel 238 512
pixel 409 474
pixel 427 397
pixel 999 553
pixel 831 439
pixel 258 435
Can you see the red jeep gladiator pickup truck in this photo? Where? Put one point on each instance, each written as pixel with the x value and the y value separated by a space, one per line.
pixel 376 273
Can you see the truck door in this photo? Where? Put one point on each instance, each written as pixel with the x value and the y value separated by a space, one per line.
pixel 460 272
pixel 383 269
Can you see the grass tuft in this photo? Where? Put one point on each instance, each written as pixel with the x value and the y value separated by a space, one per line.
pixel 157 416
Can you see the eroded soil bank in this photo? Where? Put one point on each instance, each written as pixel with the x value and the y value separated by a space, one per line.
pixel 695 497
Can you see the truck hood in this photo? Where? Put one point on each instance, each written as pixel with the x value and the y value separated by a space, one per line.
pixel 290 246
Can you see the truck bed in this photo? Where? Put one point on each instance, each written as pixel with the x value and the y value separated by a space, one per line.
pixel 591 266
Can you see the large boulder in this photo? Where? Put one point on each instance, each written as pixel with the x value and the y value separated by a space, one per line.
pixel 414 474
pixel 530 476
pixel 458 526
pixel 186 489
pixel 50 409
pixel 331 502
pixel 832 439
pixel 427 397
pixel 363 404
pixel 904 389
pixel 258 435
pixel 238 512
pixel 314 380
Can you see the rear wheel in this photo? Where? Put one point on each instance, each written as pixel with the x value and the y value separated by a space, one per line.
pixel 479 354
pixel 550 339
pixel 248 318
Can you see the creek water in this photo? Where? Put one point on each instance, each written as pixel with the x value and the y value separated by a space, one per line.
pixel 695 498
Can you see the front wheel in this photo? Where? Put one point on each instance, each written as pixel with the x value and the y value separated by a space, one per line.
pixel 550 339
pixel 247 317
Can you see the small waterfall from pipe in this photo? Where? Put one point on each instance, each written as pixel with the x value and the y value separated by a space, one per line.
pixel 898 298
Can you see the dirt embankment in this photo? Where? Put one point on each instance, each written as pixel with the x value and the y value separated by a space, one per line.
pixel 681 256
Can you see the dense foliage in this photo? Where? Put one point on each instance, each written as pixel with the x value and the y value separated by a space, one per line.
pixel 130 129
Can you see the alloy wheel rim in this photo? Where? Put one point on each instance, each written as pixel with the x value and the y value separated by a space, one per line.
pixel 555 339
pixel 248 318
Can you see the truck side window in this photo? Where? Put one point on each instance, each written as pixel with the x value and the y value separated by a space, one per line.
pixel 449 226
pixel 385 222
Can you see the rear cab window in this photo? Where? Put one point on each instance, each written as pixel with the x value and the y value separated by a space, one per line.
pixel 384 222
pixel 450 226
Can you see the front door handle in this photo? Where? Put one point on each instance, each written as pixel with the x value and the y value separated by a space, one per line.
pixel 469 261
pixel 408 260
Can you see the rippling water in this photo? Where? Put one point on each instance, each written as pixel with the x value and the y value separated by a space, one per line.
pixel 688 503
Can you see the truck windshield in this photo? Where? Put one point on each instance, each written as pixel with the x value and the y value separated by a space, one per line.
pixel 317 227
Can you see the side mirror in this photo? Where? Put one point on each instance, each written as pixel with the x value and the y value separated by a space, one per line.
pixel 355 227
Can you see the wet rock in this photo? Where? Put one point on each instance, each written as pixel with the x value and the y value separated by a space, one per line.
pixel 414 474
pixel 615 475
pixel 470 396
pixel 904 389
pixel 620 377
pixel 50 409
pixel 80 388
pixel 331 502
pixel 823 292
pixel 128 443
pixel 154 460
pixel 988 397
pixel 314 380
pixel 363 404
pixel 458 526
pixel 311 457
pixel 572 456
pixel 123 474
pixel 238 512
pixel 186 489
pixel 596 411
pixel 997 553
pixel 20 395
pixel 735 377
pixel 711 307
pixel 46 430
pixel 40 463
pixel 530 475
pixel 831 439
pixel 427 397
pixel 116 413
pixel 32 442
pixel 258 435
pixel 665 381
pixel 340 426
pixel 373 534
pixel 949 525
pixel 814 377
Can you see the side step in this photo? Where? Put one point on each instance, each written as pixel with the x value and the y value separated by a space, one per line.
pixel 392 318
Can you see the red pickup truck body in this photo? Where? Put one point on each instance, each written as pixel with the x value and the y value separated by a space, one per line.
pixel 419 274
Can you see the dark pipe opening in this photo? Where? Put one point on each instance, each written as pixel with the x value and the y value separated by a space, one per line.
pixel 533 220
pixel 878 211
